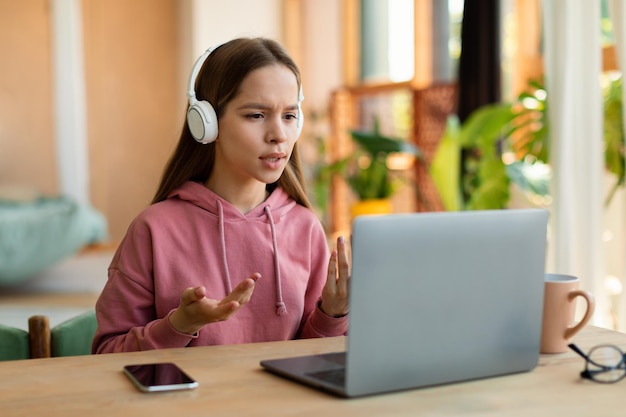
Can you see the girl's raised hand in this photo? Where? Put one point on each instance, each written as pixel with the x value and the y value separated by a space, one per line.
pixel 196 310
pixel 335 292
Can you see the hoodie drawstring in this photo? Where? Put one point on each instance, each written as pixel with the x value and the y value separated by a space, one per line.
pixel 281 309
pixel 220 210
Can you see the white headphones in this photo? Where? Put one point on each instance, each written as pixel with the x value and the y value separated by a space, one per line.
pixel 201 116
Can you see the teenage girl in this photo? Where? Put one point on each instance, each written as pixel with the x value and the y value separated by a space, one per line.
pixel 230 250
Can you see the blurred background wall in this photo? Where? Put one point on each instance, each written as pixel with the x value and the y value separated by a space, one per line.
pixel 134 57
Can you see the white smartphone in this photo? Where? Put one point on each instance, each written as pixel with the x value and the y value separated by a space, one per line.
pixel 153 377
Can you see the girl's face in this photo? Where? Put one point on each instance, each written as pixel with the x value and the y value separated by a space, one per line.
pixel 257 130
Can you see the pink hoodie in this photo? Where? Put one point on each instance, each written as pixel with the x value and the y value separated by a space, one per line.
pixel 197 238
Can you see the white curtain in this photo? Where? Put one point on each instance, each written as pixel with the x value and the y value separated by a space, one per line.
pixel 70 99
pixel 618 19
pixel 573 66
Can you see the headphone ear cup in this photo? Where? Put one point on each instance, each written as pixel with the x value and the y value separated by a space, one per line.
pixel 300 113
pixel 202 122
pixel 300 122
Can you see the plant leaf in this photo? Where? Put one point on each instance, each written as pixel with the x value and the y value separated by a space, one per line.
pixel 375 143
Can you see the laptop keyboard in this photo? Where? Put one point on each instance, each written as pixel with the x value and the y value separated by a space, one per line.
pixel 336 376
pixel 336 357
pixel 333 376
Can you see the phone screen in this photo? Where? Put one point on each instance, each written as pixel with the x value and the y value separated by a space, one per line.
pixel 164 376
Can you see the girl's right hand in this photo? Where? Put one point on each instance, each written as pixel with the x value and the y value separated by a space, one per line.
pixel 196 310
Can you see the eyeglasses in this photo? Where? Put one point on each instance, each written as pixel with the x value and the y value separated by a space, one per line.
pixel 604 363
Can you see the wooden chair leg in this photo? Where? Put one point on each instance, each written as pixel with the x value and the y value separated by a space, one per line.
pixel 39 334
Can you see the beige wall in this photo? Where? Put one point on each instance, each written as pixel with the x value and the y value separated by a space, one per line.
pixel 27 152
pixel 133 111
pixel 138 55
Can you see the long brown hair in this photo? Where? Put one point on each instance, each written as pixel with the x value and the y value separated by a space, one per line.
pixel 218 83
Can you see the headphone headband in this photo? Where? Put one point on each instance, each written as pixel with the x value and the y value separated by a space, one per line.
pixel 191 90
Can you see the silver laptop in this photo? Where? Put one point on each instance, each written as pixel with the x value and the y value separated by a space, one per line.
pixel 436 298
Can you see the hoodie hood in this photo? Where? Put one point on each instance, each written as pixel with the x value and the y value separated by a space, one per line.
pixel 197 194
pixel 271 211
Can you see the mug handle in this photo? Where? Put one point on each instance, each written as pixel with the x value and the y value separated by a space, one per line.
pixel 591 306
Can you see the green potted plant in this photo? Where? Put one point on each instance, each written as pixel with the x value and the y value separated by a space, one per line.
pixel 367 171
pixel 614 133
pixel 485 178
pixel 520 129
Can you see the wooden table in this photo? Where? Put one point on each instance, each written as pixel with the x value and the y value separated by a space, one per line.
pixel 233 384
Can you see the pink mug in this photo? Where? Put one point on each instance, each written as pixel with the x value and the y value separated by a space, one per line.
pixel 559 306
